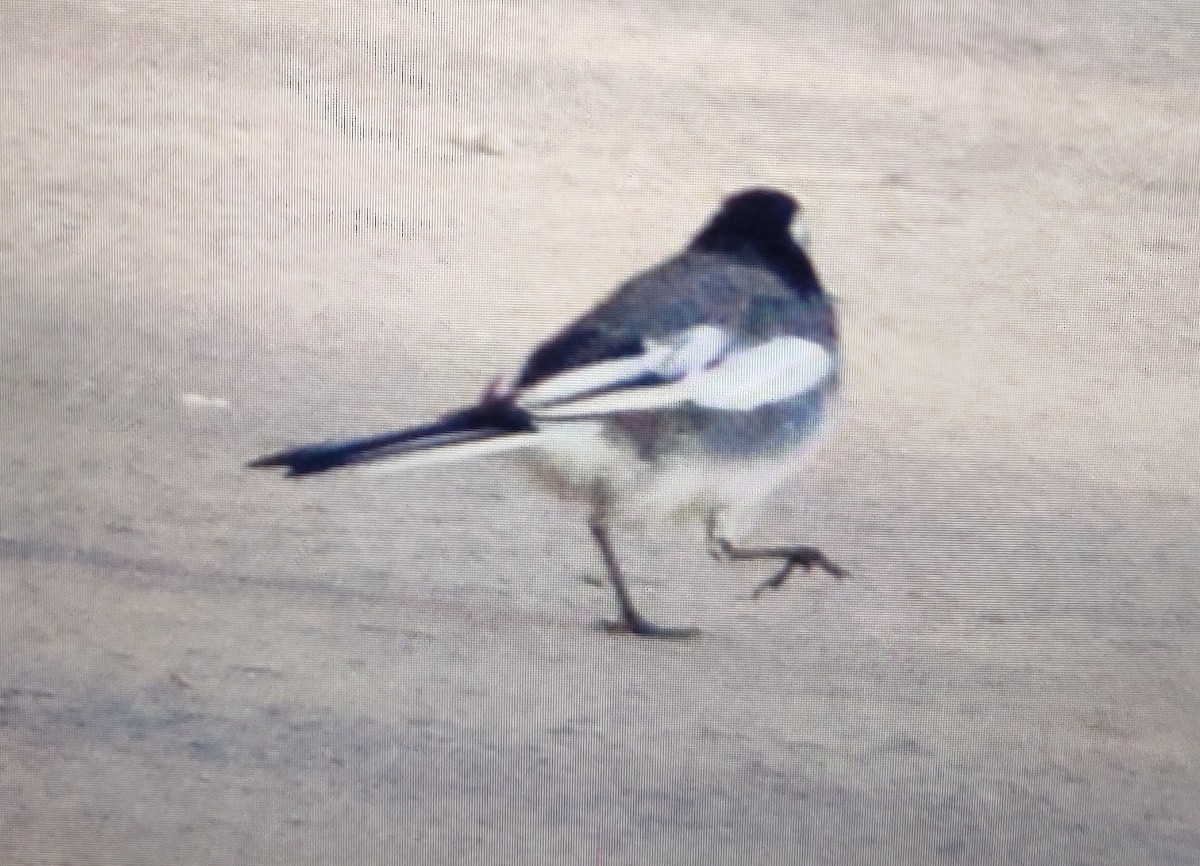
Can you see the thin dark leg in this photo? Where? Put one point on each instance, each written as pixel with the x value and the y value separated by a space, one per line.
pixel 799 556
pixel 632 622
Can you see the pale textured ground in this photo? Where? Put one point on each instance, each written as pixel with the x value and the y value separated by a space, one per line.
pixel 231 229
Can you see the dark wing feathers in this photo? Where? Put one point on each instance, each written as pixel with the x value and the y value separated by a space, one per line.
pixel 585 342
pixel 741 293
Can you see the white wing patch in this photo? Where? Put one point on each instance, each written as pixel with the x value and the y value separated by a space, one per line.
pixel 692 350
pixel 672 358
pixel 705 371
pixel 630 400
pixel 777 370
pixel 592 378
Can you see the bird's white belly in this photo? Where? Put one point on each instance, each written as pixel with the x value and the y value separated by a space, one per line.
pixel 579 461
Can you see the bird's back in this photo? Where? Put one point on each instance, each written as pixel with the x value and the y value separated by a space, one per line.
pixel 743 291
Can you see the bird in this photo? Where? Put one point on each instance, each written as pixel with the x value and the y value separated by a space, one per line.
pixel 691 393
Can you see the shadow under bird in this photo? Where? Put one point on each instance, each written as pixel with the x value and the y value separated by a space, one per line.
pixel 693 391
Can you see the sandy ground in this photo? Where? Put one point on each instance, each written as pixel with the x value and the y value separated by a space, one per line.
pixel 229 227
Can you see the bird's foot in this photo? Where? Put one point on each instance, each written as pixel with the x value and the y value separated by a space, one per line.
pixel 631 622
pixel 636 625
pixel 807 558
pixel 801 556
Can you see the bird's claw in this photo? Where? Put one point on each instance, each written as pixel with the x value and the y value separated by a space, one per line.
pixel 807 558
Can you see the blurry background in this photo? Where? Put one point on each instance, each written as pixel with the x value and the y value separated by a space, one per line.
pixel 224 229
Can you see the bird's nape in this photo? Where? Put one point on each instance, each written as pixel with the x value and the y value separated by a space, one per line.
pixel 755 215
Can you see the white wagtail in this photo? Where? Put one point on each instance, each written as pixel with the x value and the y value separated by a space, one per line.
pixel 690 392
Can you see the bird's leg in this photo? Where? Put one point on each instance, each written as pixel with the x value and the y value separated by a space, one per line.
pixel 631 622
pixel 799 556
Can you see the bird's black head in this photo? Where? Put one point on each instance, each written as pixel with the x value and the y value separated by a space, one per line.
pixel 751 218
pixel 754 227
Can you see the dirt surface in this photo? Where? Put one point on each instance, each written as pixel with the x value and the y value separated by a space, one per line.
pixel 231 227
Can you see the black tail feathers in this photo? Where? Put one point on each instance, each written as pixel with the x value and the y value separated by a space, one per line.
pixel 466 425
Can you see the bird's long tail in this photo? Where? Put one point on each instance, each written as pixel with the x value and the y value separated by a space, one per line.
pixel 473 432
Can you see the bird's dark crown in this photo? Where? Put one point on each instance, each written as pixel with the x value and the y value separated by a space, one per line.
pixel 754 217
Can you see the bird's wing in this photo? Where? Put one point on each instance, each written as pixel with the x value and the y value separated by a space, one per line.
pixel 775 370
pixel 703 366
